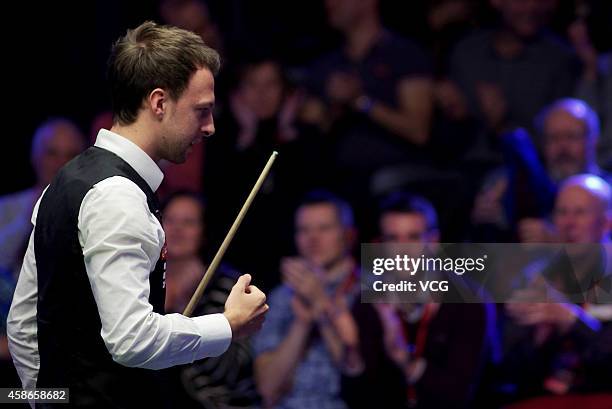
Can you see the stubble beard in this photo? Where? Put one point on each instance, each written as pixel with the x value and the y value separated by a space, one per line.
pixel 174 152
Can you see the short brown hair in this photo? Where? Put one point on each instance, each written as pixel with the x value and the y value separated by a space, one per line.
pixel 154 56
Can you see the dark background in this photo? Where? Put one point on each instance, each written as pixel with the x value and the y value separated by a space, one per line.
pixel 54 53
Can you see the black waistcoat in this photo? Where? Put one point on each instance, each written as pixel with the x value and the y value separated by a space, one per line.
pixel 72 352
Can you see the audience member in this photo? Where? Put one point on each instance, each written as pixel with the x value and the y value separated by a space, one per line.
pixel 55 142
pixel 522 193
pixel 430 355
pixel 309 336
pixel 595 84
pixel 225 381
pixel 561 347
pixel 262 119
pixel 511 72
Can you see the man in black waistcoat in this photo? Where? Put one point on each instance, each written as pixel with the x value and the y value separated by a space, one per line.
pixel 87 313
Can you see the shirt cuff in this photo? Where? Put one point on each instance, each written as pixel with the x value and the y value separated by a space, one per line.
pixel 216 334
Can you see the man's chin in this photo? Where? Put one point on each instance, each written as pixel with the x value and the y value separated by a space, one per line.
pixel 181 157
pixel 178 160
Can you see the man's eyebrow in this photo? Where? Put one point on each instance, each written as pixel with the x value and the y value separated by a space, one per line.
pixel 208 104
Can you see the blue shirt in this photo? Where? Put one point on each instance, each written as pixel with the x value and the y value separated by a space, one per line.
pixel 316 383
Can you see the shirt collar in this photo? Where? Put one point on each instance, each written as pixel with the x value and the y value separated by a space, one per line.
pixel 133 155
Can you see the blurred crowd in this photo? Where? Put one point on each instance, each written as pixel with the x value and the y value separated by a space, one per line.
pixel 493 125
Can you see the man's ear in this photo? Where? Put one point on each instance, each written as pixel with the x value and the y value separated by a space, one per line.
pixel 157 102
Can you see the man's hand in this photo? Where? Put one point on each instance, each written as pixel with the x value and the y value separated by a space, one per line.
pixel 578 34
pixel 449 98
pixel 560 315
pixel 301 311
pixel 343 87
pixel 394 339
pixel 287 116
pixel 493 103
pixel 532 230
pixel 245 308
pixel 344 322
pixel 307 283
pixel 246 118
pixel 488 207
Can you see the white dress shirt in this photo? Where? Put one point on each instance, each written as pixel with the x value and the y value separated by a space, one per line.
pixel 121 242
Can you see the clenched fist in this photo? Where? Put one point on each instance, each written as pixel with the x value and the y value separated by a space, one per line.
pixel 245 308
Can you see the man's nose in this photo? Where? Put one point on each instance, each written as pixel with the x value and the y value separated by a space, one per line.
pixel 568 223
pixel 208 129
